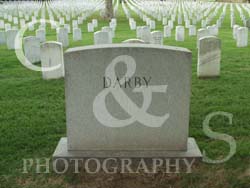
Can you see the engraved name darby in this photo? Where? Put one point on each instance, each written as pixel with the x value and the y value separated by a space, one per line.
pixel 114 85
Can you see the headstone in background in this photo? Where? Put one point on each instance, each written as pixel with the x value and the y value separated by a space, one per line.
pixel 180 33
pixel 156 37
pixel 209 57
pixel 102 37
pixel 145 34
pixel 192 30
pixel 201 33
pixel 10 38
pixel 167 31
pixel 32 49
pixel 242 37
pixel 62 36
pixel 52 56
pixel 77 34
pixel 41 35
pixel 132 41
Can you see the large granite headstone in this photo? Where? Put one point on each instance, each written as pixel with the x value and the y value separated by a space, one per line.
pixel 127 100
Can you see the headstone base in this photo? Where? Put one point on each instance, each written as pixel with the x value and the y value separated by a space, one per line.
pixel 192 152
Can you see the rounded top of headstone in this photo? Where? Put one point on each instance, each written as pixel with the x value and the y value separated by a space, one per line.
pixel 134 41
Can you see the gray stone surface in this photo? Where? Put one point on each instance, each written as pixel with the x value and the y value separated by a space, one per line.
pixel 156 37
pixel 192 30
pixel 133 41
pixel 121 119
pixel 167 31
pixel 209 57
pixel 201 33
pixel 10 38
pixel 242 37
pixel 192 151
pixel 41 35
pixel 77 34
pixel 145 34
pixel 52 56
pixel 32 49
pixel 62 36
pixel 102 37
pixel 180 33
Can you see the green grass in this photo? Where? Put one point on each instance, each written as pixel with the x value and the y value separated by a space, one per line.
pixel 32 118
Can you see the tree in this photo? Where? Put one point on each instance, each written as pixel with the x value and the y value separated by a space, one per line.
pixel 109 9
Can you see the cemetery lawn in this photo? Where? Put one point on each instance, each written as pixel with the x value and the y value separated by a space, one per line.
pixel 32 118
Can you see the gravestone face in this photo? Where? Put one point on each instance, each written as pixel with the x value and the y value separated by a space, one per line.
pixel 167 31
pixel 209 57
pixel 180 33
pixel 212 30
pixel 138 31
pixel 41 35
pixel 235 30
pixel 106 115
pixel 90 27
pixel 201 33
pixel 242 37
pixel 164 21
pixel 10 38
pixel 152 24
pixel 95 22
pixel 32 48
pixel 74 24
pixel 132 25
pixel 156 37
pixel 67 26
pixel 62 36
pixel 109 30
pixel 145 34
pixel 2 37
pixel 102 37
pixel 77 34
pixel 52 56
pixel 192 30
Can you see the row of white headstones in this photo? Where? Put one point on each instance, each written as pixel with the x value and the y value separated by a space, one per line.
pixel 208 59
pixel 162 14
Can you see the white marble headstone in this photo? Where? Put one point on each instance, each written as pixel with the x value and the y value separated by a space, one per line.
pixel 52 56
pixel 32 50
pixel 209 57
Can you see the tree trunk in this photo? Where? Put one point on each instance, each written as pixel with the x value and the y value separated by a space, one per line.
pixel 108 9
